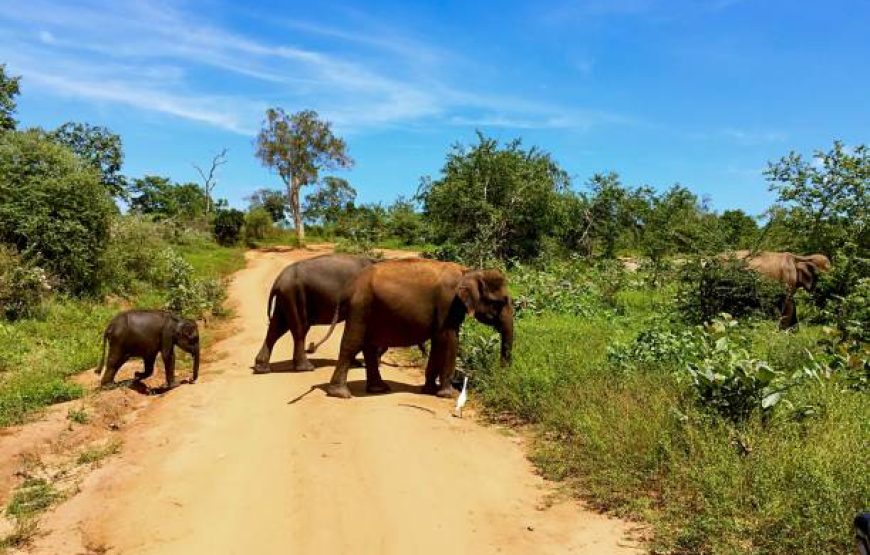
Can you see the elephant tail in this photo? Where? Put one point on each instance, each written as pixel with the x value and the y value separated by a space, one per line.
pixel 99 369
pixel 311 346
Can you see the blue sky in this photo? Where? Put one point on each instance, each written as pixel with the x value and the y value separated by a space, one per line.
pixel 696 92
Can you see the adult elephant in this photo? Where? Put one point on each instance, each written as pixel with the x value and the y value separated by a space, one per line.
pixel 792 270
pixel 306 294
pixel 399 303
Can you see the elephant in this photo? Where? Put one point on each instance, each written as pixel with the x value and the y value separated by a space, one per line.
pixel 399 303
pixel 144 333
pixel 792 270
pixel 306 294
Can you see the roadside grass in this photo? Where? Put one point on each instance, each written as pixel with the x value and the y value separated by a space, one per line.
pixel 38 355
pixel 635 441
pixel 97 453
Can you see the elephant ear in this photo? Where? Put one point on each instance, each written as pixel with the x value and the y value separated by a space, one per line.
pixel 469 291
pixel 806 275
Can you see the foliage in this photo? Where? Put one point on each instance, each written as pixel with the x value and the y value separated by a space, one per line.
pixel 360 247
pixel 135 243
pixel 298 146
pixel 494 201
pixel 53 209
pixel 404 223
pixel 272 201
pixel 160 197
pixel 738 230
pixel 10 87
pixel 228 225
pixel 258 224
pixel 99 147
pixel 33 496
pixel 333 197
pixel 824 201
pixel 23 286
pixel 712 287
pixel 843 294
pixel 187 294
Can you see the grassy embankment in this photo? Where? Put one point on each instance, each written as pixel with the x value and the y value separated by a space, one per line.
pixel 38 355
pixel 629 433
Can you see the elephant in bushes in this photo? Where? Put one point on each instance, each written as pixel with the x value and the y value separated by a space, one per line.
pixel 145 333
pixel 792 270
pixel 399 303
pixel 306 294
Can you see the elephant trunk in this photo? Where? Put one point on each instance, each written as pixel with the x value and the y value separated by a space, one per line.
pixel 506 327
pixel 195 364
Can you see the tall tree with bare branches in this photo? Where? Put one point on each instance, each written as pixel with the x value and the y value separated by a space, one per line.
pixel 298 146
pixel 209 180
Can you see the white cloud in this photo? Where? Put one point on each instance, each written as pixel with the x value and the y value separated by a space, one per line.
pixel 156 57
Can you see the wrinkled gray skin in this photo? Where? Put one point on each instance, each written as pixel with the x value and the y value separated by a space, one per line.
pixel 305 294
pixel 145 333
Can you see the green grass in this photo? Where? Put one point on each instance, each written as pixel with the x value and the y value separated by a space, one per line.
pixel 32 497
pixel 38 355
pixel 96 454
pixel 637 443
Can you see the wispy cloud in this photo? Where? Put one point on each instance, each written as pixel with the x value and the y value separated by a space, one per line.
pixel 155 56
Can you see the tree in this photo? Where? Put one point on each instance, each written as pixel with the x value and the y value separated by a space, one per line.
pixel 739 230
pixel 99 147
pixel 272 201
pixel 298 147
pixel 673 223
pixel 494 201
pixel 404 222
pixel 209 180
pixel 824 202
pixel 162 198
pixel 53 209
pixel 10 87
pixel 334 196
pixel 228 225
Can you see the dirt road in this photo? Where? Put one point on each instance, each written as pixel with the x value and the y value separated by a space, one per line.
pixel 262 464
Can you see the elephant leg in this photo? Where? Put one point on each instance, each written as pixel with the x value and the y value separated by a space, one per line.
pixel 277 328
pixel 448 364
pixel 351 344
pixel 789 313
pixel 374 382
pixel 115 360
pixel 148 370
pixel 300 358
pixel 435 362
pixel 169 367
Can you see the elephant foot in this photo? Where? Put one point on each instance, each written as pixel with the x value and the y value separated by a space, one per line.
pixel 304 366
pixel 429 389
pixel 139 376
pixel 171 385
pixel 378 387
pixel 262 368
pixel 107 383
pixel 446 392
pixel 338 390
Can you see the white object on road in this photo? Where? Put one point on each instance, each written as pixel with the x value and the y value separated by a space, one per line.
pixel 463 397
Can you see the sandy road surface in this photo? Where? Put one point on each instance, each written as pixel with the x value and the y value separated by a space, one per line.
pixel 231 465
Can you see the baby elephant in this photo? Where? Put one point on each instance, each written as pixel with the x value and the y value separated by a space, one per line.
pixel 144 333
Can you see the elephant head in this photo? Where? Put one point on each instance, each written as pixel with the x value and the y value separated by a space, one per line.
pixel 185 334
pixel 485 296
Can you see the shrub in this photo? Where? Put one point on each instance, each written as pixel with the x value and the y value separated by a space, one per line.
pixel 360 247
pixel 228 226
pixel 132 256
pixel 258 224
pixel 708 288
pixel 53 209
pixel 185 294
pixel 23 287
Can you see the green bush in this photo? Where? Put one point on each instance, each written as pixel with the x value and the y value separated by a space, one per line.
pixel 708 288
pixel 53 209
pixel 185 293
pixel 135 244
pixel 228 226
pixel 258 224
pixel 23 287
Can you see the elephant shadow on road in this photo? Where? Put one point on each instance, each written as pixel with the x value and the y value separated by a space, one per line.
pixel 287 366
pixel 358 389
